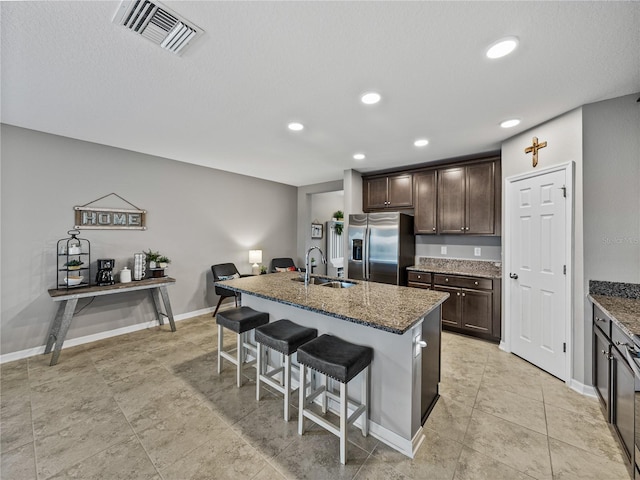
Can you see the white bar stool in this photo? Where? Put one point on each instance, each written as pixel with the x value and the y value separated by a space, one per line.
pixel 240 320
pixel 341 360
pixel 285 337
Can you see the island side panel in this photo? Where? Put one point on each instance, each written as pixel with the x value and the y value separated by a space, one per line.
pixel 392 410
pixel 428 367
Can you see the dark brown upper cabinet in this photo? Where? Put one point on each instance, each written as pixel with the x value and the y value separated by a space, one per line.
pixel 392 191
pixel 467 200
pixel 425 196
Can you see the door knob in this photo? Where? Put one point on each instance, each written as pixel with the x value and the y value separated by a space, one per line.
pixel 513 275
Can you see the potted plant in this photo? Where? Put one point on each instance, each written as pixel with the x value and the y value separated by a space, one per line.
pixel 263 269
pixel 74 264
pixel 163 261
pixel 338 216
pixel 151 258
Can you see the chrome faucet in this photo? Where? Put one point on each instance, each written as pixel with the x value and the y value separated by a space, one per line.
pixel 307 264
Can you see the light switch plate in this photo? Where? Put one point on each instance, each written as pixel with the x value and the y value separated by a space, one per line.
pixel 476 251
pixel 443 250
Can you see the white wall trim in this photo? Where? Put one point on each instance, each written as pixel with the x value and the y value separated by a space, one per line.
pixel 586 390
pixel 73 342
pixel 569 169
pixel 391 439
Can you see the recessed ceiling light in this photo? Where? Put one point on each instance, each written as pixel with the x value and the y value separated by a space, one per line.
pixel 502 47
pixel 370 98
pixel 295 126
pixel 510 123
pixel 359 156
pixel 421 142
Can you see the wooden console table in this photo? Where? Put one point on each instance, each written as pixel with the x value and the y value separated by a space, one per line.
pixel 69 299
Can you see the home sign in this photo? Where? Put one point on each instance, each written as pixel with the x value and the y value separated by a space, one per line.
pixel 87 217
pixel 110 218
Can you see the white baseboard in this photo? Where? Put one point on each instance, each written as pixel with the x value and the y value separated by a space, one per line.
pixel 586 390
pixel 386 436
pixel 73 342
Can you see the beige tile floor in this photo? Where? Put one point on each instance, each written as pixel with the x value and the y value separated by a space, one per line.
pixel 149 405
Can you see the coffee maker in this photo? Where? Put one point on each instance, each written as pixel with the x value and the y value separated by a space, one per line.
pixel 105 269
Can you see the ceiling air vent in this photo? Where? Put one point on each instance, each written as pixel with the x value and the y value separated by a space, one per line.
pixel 157 23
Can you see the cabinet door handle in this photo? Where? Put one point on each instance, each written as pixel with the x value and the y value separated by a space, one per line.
pixel 466 228
pixel 446 279
pixel 434 229
pixel 458 294
pixel 464 295
pixel 624 344
pixel 475 283
pixel 462 228
pixel 513 275
pixel 419 277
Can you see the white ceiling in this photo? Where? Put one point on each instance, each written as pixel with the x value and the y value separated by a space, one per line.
pixel 68 70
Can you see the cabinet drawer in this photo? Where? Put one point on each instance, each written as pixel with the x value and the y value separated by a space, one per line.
pixel 620 339
pixel 463 282
pixel 419 277
pixel 602 321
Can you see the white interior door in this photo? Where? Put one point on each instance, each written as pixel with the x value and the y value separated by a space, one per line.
pixel 538 277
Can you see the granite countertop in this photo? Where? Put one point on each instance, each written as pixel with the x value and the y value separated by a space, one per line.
pixel 621 301
pixel 624 311
pixel 391 308
pixel 449 266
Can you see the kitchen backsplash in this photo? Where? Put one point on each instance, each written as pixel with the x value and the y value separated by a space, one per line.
pixel 614 289
pixel 493 269
pixel 459 246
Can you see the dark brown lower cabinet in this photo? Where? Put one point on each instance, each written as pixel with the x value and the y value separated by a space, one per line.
pixel 622 401
pixel 468 309
pixel 452 307
pixel 473 306
pixel 601 368
pixel 614 380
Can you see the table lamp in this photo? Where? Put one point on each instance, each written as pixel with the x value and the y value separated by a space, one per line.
pixel 255 257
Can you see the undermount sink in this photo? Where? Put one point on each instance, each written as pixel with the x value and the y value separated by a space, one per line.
pixel 312 280
pixel 325 282
pixel 338 284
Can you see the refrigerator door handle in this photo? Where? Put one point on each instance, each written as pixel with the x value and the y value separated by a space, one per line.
pixel 368 253
pixel 367 266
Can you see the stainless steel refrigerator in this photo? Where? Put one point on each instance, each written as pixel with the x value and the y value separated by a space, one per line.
pixel 381 247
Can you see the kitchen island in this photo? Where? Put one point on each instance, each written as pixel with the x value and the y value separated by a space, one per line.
pixel 393 320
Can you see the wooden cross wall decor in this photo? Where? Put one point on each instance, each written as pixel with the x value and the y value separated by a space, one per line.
pixel 534 148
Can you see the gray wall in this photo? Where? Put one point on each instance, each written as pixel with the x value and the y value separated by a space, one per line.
pixel 305 216
pixel 564 137
pixel 612 190
pixel 611 138
pixel 196 216
pixel 323 206
pixel 602 139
